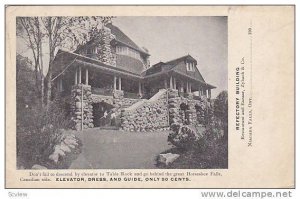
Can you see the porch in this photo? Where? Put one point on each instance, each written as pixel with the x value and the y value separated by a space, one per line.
pixel 102 82
pixel 107 81
pixel 185 85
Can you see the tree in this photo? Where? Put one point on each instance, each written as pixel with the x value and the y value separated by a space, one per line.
pixel 68 32
pixel 25 83
pixel 29 28
pixel 56 32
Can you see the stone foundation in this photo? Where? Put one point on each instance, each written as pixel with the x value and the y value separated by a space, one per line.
pixel 158 113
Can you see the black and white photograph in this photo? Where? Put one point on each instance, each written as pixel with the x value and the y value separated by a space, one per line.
pixel 149 97
pixel 122 92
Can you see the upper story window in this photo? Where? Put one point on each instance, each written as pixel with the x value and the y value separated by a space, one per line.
pixel 92 50
pixel 124 50
pixel 190 66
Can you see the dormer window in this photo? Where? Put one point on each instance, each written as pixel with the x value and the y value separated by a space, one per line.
pixel 92 50
pixel 190 66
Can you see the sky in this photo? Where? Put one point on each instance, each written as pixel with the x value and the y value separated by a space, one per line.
pixel 167 38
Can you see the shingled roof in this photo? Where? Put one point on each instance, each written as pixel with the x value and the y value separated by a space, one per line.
pixel 124 39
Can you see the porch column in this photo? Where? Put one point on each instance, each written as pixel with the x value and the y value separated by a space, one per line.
pixel 199 90
pixel 190 85
pixel 120 83
pixel 76 76
pixel 209 93
pixel 79 77
pixel 87 76
pixel 187 87
pixel 175 86
pixel 140 88
pixel 166 83
pixel 171 82
pixel 115 83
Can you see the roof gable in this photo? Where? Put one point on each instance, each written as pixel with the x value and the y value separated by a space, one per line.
pixel 181 67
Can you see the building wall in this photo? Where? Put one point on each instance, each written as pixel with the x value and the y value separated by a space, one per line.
pixel 161 113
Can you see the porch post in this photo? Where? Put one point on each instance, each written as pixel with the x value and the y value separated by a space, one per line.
pixel 199 90
pixel 76 76
pixel 166 83
pixel 190 87
pixel 175 86
pixel 120 83
pixel 171 82
pixel 79 77
pixel 187 87
pixel 140 88
pixel 87 76
pixel 115 83
pixel 209 93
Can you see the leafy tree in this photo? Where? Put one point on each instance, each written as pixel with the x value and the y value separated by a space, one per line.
pixel 67 32
pixel 56 32
pixel 25 82
pixel 29 29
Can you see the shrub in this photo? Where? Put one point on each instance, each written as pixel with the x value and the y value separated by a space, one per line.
pixel 38 133
pixel 37 126
pixel 186 136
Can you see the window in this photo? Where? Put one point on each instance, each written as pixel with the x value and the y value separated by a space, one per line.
pixel 190 66
pixel 123 50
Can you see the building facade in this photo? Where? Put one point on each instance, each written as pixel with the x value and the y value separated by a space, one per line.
pixel 109 81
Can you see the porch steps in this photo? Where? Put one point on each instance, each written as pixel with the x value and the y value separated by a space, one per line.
pixel 152 99
pixel 135 105
pixel 157 95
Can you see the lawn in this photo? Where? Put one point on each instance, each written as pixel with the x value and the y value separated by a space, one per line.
pixel 215 156
pixel 114 149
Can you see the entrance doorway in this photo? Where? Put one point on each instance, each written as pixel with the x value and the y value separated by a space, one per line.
pixel 102 114
pixel 184 110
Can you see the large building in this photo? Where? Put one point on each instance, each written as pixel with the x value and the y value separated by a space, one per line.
pixel 110 77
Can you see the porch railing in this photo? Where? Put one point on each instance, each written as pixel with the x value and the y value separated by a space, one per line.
pixel 102 91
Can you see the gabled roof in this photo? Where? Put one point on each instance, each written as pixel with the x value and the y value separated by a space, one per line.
pixel 124 39
pixel 174 62
pixel 64 59
pixel 167 66
pixel 175 66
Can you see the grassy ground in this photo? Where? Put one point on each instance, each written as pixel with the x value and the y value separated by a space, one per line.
pixel 113 149
pixel 215 156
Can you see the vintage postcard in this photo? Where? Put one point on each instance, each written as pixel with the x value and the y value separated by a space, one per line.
pixel 150 97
